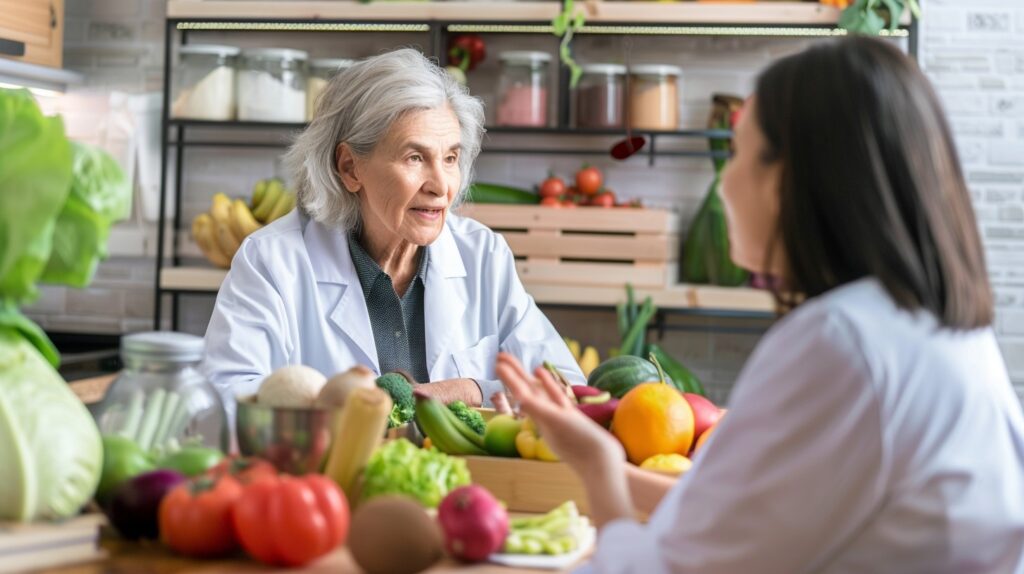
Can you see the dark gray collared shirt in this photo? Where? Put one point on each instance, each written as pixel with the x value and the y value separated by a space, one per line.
pixel 397 322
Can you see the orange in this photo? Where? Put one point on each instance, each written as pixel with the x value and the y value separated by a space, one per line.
pixel 653 418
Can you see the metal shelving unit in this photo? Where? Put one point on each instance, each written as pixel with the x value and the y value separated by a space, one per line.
pixel 436 20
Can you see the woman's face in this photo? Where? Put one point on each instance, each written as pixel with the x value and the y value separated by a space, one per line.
pixel 407 184
pixel 750 192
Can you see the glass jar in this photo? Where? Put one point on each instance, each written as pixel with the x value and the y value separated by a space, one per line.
pixel 654 97
pixel 272 85
pixel 320 72
pixel 203 85
pixel 599 96
pixel 160 400
pixel 523 89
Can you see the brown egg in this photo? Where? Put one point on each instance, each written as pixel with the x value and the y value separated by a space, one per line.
pixel 394 535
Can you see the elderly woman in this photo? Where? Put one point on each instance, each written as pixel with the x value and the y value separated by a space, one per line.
pixel 372 268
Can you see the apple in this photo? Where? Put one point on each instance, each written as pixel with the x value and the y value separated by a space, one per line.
pixel 500 436
pixel 601 413
pixel 705 413
pixel 580 391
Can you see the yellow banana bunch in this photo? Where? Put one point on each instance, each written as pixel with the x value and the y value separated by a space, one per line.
pixel 220 232
pixel 587 358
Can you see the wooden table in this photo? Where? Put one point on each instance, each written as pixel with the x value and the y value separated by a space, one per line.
pixel 151 558
pixel 93 389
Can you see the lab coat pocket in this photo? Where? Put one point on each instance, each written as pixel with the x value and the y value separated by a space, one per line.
pixel 477 361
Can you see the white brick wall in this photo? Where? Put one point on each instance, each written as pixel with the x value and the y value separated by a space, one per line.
pixel 974 54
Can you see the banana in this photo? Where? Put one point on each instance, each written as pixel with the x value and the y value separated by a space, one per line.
pixel 220 207
pixel 203 232
pixel 431 418
pixel 589 361
pixel 258 191
pixel 282 207
pixel 226 239
pixel 574 348
pixel 266 204
pixel 242 221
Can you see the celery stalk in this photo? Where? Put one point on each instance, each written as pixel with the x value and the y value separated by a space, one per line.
pixel 179 420
pixel 154 405
pixel 168 411
pixel 131 425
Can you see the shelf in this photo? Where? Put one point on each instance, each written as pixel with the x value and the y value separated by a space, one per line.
pixel 699 299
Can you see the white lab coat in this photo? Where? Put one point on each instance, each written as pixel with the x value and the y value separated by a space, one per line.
pixel 293 297
pixel 859 438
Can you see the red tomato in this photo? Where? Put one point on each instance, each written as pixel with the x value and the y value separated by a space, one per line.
pixel 552 187
pixel 604 199
pixel 551 202
pixel 195 517
pixel 291 521
pixel 589 180
pixel 569 203
pixel 244 468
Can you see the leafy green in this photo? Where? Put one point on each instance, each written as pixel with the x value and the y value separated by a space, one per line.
pixel 468 415
pixel 35 175
pixel 100 194
pixel 52 449
pixel 427 475
pixel 869 16
pixel 565 25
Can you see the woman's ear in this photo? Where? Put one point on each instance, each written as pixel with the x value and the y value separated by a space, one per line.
pixel 346 164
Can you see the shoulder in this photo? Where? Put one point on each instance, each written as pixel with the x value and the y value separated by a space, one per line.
pixel 269 248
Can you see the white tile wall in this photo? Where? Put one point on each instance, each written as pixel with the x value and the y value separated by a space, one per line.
pixel 974 53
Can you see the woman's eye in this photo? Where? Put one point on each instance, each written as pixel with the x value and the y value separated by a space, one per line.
pixel 452 159
pixel 416 158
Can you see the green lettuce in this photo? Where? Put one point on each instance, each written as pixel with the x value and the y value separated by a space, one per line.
pixel 400 468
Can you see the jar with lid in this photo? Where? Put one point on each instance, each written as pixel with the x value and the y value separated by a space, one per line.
pixel 272 85
pixel 654 97
pixel 599 96
pixel 523 89
pixel 160 401
pixel 321 71
pixel 203 85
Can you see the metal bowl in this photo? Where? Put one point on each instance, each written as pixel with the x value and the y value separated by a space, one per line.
pixel 294 440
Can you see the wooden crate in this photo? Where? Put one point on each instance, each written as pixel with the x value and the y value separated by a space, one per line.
pixel 528 485
pixel 587 246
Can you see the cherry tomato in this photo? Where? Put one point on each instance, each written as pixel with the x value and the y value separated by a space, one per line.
pixel 195 517
pixel 589 180
pixel 552 187
pixel 569 203
pixel 604 199
pixel 551 202
pixel 291 521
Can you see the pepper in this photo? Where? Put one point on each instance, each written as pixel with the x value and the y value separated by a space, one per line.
pixel 531 445
pixel 465 45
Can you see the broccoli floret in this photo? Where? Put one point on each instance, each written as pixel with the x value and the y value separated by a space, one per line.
pixel 398 386
pixel 470 416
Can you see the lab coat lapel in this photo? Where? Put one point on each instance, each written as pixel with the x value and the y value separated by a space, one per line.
pixel 444 304
pixel 332 264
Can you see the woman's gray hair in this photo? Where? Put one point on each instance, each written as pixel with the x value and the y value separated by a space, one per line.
pixel 358 107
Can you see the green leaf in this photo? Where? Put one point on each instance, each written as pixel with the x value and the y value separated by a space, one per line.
pixel 560 24
pixel 915 8
pixel 895 8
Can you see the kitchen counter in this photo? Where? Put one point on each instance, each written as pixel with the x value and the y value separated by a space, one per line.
pixel 151 558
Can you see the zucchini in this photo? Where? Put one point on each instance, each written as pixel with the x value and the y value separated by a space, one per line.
pixel 493 193
pixel 618 376
pixel 682 378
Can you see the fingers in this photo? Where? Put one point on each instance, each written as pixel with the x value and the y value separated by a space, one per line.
pixel 551 387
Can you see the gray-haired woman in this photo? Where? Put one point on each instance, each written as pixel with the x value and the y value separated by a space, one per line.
pixel 372 267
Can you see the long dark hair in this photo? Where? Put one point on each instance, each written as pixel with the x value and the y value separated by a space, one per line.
pixel 871 182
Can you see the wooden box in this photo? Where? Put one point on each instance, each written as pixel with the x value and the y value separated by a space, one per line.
pixel 528 485
pixel 587 246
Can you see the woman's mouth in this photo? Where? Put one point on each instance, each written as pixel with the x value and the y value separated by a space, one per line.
pixel 428 213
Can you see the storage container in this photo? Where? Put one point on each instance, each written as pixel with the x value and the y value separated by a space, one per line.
pixel 203 85
pixel 599 96
pixel 272 85
pixel 320 72
pixel 523 89
pixel 160 400
pixel 654 97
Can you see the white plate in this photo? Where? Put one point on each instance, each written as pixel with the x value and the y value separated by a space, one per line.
pixel 546 562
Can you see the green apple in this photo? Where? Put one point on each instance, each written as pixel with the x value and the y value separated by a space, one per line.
pixel 500 436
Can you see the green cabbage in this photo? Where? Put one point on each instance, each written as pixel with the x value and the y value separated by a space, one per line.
pixel 426 475
pixel 52 453
pixel 57 202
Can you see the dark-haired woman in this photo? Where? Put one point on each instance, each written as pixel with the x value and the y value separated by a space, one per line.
pixel 874 429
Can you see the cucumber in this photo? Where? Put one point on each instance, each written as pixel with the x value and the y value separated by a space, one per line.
pixel 493 193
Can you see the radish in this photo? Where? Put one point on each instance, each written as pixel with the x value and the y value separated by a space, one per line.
pixel 475 524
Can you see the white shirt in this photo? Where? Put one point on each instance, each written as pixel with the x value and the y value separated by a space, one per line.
pixel 859 438
pixel 293 297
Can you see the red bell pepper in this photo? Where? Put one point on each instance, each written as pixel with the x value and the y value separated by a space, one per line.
pixel 466 51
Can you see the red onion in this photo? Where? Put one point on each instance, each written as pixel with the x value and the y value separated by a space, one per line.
pixel 135 507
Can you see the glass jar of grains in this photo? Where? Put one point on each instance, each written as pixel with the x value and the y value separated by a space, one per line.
pixel 321 71
pixel 599 96
pixel 523 89
pixel 272 85
pixel 654 97
pixel 203 84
